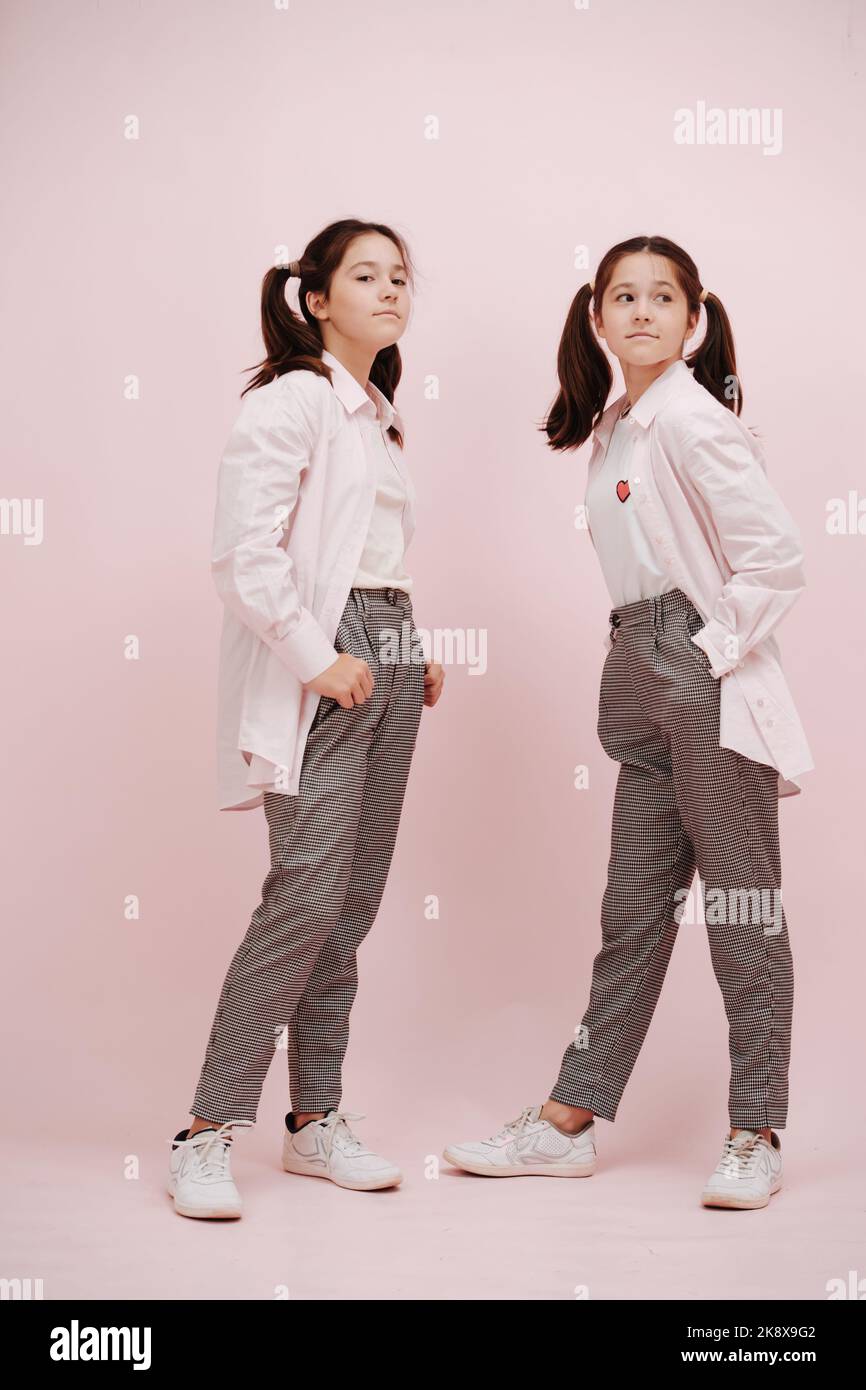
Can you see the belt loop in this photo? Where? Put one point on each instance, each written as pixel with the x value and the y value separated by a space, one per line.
pixel 359 594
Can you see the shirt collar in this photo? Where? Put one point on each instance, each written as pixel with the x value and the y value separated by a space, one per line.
pixel 354 397
pixel 648 403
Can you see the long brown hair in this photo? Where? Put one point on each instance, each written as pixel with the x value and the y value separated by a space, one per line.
pixel 585 377
pixel 294 343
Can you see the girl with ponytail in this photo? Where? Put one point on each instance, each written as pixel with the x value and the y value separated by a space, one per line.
pixel 701 560
pixel 322 680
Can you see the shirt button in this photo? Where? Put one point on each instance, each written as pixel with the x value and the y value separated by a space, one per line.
pixel 769 723
pixel 760 702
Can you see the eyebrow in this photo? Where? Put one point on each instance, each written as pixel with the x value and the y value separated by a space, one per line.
pixel 630 285
pixel 398 265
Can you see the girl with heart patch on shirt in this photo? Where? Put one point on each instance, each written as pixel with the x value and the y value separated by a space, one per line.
pixel 702 560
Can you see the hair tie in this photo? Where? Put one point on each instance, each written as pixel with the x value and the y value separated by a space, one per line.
pixel 294 268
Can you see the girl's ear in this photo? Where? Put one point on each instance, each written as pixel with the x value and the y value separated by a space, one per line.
pixel 315 302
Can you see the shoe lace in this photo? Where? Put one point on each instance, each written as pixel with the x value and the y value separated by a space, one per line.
pixel 514 1127
pixel 740 1155
pixel 212 1147
pixel 335 1127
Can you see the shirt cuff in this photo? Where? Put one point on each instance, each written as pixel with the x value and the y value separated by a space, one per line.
pixel 306 651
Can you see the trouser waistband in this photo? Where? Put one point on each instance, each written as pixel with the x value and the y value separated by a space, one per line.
pixel 370 599
pixel 651 611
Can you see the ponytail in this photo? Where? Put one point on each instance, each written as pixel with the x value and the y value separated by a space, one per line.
pixel 291 342
pixel 584 375
pixel 715 361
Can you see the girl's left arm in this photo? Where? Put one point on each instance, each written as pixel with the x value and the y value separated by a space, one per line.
pixel 759 537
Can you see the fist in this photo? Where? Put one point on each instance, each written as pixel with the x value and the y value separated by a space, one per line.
pixel 434 679
pixel 349 681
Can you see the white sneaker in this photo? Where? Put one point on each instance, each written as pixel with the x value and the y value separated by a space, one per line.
pixel 328 1149
pixel 531 1146
pixel 199 1172
pixel 748 1172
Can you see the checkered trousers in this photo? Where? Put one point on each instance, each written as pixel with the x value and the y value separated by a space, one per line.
pixel 683 801
pixel 293 978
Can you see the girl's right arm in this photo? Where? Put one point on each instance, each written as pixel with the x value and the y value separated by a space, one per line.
pixel 259 479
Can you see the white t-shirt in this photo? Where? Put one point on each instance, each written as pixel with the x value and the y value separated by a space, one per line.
pixel 628 564
pixel 381 563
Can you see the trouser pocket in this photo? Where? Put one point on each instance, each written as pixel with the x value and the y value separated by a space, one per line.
pixel 694 622
pixel 352 639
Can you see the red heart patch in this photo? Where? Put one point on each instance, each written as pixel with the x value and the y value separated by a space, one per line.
pixel 622 489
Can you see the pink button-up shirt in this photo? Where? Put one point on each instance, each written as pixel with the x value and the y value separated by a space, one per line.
pixel 697 477
pixel 295 493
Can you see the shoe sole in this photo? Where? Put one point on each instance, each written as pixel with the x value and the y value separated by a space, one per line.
pixel 377 1185
pixel 732 1202
pixel 209 1214
pixel 486 1170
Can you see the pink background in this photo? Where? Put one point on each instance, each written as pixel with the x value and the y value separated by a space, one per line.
pixel 145 257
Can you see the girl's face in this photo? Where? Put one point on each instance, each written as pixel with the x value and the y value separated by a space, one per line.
pixel 643 315
pixel 368 304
